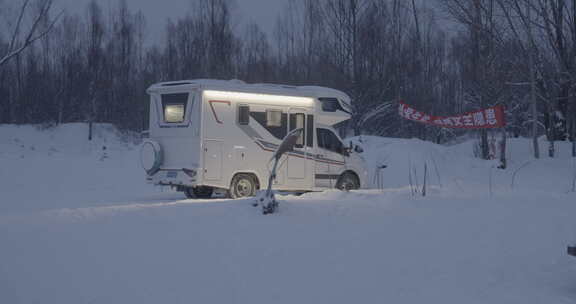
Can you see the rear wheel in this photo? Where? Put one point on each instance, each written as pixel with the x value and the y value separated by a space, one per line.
pixel 199 192
pixel 348 181
pixel 243 185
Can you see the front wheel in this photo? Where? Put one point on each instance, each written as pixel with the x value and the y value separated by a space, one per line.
pixel 347 182
pixel 243 185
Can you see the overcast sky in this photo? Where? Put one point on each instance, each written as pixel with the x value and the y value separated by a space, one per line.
pixel 263 12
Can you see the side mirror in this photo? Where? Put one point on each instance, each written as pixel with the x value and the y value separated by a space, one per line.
pixel 346 151
pixel 358 149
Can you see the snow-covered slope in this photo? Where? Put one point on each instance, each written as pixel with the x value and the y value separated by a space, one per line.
pixel 59 167
pixel 455 166
pixel 78 226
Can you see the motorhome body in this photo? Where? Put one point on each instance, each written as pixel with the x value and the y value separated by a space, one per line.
pixel 214 134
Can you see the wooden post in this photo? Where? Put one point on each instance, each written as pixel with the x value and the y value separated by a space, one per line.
pixel 425 175
pixel 503 162
pixel 90 125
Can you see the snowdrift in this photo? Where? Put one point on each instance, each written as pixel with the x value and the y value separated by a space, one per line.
pixel 43 169
pixel 455 167
pixel 78 224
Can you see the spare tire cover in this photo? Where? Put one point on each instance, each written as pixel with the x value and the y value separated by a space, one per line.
pixel 150 156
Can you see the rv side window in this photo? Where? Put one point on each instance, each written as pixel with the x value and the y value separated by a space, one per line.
pixel 321 138
pixel 174 107
pixel 276 123
pixel 243 114
pixel 330 104
pixel 273 118
pixel 297 122
pixel 310 131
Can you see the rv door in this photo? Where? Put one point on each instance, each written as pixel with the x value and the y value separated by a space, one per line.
pixel 329 159
pixel 300 164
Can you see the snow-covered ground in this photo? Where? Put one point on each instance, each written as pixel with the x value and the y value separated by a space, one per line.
pixel 78 224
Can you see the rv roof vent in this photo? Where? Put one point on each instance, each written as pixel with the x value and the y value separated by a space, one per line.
pixel 237 81
pixel 171 84
pixel 277 85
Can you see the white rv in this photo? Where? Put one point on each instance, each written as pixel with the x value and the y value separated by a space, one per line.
pixel 215 135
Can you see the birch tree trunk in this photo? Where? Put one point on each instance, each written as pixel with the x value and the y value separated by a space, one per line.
pixel 533 104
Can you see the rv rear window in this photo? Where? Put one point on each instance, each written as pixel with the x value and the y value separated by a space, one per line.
pixel 243 114
pixel 273 118
pixel 174 107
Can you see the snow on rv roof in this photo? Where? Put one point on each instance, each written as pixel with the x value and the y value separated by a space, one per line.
pixel 266 88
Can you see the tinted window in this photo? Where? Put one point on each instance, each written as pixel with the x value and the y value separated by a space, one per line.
pixel 174 107
pixel 310 131
pixel 320 138
pixel 329 141
pixel 330 104
pixel 243 114
pixel 278 132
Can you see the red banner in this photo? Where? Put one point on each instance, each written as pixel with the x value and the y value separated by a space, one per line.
pixel 492 117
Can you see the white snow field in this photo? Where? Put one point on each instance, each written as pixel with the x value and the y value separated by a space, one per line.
pixel 79 225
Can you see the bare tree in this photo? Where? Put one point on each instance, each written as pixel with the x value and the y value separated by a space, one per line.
pixel 22 38
pixel 96 66
pixel 533 103
pixel 482 74
pixel 256 61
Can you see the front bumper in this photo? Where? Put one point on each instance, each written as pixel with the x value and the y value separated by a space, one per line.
pixel 170 177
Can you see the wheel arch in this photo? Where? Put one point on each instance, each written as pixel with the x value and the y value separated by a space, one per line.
pixel 247 172
pixel 353 173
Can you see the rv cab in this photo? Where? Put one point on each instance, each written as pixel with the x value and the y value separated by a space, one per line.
pixel 214 135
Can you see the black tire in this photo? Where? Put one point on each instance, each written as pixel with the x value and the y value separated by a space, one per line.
pixel 243 185
pixel 348 181
pixel 199 192
pixel 203 192
pixel 189 192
